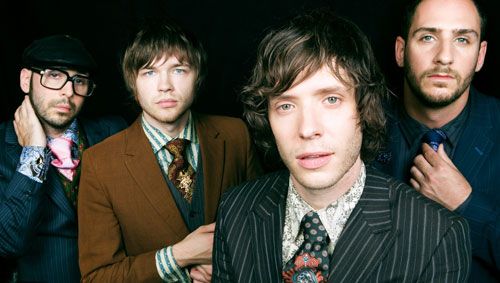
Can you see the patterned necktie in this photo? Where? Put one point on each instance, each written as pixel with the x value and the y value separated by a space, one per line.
pixel 434 138
pixel 61 149
pixel 311 261
pixel 180 172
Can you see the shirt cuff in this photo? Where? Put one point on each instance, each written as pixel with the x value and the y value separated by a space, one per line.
pixel 34 162
pixel 168 269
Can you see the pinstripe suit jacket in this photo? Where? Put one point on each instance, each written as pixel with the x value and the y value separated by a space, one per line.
pixel 477 156
pixel 394 234
pixel 38 226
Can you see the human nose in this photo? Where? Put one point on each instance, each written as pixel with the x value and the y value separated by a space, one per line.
pixel 68 89
pixel 444 55
pixel 309 124
pixel 164 83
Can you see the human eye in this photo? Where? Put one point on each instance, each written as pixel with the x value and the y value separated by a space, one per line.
pixel 427 38
pixel 147 72
pixel 284 107
pixel 54 74
pixel 180 70
pixel 332 100
pixel 80 80
pixel 462 40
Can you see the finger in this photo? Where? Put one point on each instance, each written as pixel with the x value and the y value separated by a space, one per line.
pixel 430 155
pixel 444 156
pixel 207 228
pixel 207 268
pixel 422 164
pixel 195 274
pixel 415 184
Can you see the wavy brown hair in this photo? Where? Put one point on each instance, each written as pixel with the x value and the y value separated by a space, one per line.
pixel 159 38
pixel 303 46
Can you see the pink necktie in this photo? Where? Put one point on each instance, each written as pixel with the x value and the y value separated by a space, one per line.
pixel 61 148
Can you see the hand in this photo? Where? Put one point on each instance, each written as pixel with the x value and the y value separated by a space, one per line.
pixel 28 128
pixel 436 177
pixel 201 273
pixel 196 248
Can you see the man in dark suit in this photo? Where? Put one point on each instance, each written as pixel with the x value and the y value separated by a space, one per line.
pixel 38 183
pixel 139 220
pixel 440 48
pixel 316 95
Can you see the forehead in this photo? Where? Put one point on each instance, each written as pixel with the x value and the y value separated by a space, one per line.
pixel 322 79
pixel 446 15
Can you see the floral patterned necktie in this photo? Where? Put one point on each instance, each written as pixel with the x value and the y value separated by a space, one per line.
pixel 311 261
pixel 180 172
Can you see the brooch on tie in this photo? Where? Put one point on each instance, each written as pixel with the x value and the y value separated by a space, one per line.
pixel 305 269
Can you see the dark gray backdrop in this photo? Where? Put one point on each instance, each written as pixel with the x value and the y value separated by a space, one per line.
pixel 229 29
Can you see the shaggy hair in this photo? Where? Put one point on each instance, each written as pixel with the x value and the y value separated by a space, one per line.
pixel 303 46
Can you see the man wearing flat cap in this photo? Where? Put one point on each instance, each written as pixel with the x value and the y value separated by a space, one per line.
pixel 40 152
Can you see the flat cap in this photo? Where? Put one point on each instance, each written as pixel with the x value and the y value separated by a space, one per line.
pixel 58 51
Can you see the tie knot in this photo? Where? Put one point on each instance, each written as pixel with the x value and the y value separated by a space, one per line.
pixel 177 146
pixel 61 147
pixel 434 138
pixel 314 231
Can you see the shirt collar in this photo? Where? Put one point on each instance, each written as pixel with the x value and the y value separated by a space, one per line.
pixel 298 207
pixel 158 139
pixel 71 133
pixel 413 130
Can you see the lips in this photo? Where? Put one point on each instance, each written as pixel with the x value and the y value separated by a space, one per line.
pixel 314 160
pixel 441 76
pixel 167 103
pixel 63 108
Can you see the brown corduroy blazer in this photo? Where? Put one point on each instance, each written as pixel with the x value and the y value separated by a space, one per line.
pixel 125 210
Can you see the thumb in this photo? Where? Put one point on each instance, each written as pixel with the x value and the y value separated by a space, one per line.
pixel 444 156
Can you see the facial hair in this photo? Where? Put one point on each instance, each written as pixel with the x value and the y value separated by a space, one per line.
pixel 428 99
pixel 53 121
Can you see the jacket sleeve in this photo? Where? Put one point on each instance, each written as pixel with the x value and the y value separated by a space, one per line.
pixel 21 202
pixel 452 257
pixel 483 214
pixel 102 254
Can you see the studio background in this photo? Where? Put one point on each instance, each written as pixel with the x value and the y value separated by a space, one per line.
pixel 229 30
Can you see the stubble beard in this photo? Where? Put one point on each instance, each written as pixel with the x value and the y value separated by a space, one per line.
pixel 428 99
pixel 55 121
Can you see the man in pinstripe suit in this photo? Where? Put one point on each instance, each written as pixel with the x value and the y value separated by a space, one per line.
pixel 315 96
pixel 38 221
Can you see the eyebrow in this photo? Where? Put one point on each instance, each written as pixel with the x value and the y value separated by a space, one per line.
pixel 455 31
pixel 341 90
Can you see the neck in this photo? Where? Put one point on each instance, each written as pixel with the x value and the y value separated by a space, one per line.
pixel 172 129
pixel 321 198
pixel 433 117
pixel 54 132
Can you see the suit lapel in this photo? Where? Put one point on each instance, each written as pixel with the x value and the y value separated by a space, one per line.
pixel 268 220
pixel 144 169
pixel 55 190
pixel 367 235
pixel 475 143
pixel 213 161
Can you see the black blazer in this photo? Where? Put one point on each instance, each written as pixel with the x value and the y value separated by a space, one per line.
pixel 393 234
pixel 477 156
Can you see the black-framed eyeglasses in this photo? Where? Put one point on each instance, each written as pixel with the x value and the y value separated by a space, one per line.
pixel 56 79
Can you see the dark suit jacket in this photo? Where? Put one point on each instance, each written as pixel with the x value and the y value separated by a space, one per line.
pixel 477 156
pixel 126 210
pixel 38 225
pixel 394 234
